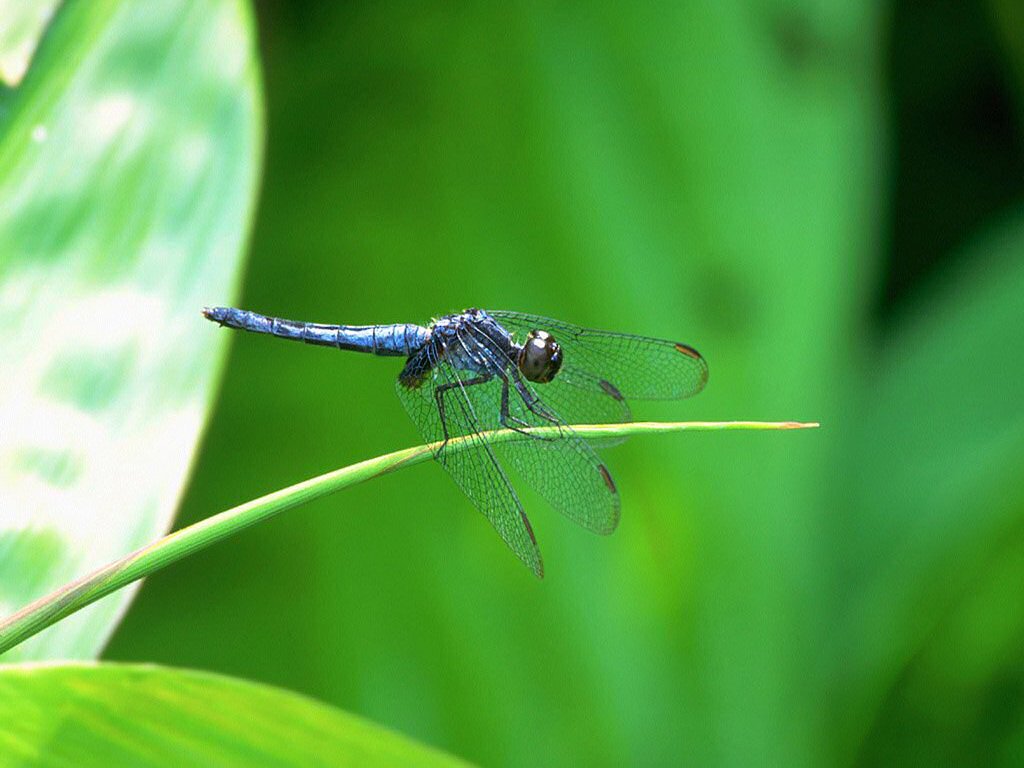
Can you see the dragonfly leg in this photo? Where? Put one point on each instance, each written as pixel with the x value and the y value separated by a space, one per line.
pixel 439 393
pixel 533 403
pixel 505 417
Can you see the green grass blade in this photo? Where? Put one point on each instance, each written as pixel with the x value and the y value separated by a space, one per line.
pixel 175 546
pixel 92 715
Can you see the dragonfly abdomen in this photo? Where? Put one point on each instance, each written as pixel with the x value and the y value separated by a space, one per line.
pixel 398 339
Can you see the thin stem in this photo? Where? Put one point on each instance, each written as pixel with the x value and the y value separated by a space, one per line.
pixel 142 562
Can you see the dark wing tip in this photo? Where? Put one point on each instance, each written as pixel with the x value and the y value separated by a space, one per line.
pixel 686 349
pixel 607 477
pixel 693 354
pixel 611 390
pixel 535 563
pixel 613 521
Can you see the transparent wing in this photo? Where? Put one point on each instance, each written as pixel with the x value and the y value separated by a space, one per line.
pixel 633 366
pixel 563 468
pixel 579 397
pixel 474 468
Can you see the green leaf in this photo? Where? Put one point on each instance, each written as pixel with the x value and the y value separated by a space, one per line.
pixel 129 158
pixel 106 714
pixel 935 459
pixel 23 25
pixel 73 597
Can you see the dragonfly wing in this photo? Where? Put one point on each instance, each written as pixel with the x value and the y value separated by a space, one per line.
pixel 475 467
pixel 579 397
pixel 634 366
pixel 563 468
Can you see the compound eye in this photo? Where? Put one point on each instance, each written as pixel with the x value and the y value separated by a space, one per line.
pixel 540 357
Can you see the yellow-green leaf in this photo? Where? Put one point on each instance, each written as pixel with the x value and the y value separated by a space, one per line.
pixel 86 715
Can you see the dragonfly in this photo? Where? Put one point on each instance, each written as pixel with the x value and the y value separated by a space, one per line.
pixel 477 371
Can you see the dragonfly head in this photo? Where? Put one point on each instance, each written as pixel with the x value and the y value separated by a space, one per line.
pixel 540 357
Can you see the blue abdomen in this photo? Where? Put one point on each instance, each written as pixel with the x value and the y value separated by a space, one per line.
pixel 397 339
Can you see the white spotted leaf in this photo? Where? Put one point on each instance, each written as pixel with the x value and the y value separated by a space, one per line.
pixel 129 159
pixel 22 24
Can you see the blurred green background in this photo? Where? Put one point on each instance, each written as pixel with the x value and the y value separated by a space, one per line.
pixel 825 198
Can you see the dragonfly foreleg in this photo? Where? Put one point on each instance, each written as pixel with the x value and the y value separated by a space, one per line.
pixel 505 416
pixel 439 393
pixel 533 403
